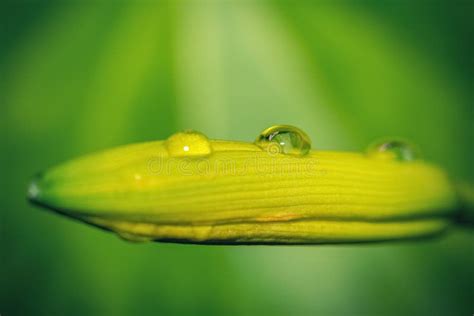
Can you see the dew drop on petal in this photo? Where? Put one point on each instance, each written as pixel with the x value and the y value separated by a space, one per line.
pixel 188 144
pixel 133 238
pixel 285 139
pixel 398 149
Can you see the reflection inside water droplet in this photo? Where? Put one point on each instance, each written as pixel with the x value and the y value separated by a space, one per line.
pixel 398 149
pixel 188 144
pixel 285 139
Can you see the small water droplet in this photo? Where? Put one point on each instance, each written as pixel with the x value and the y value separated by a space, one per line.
pixel 188 144
pixel 396 149
pixel 33 191
pixel 285 139
pixel 133 238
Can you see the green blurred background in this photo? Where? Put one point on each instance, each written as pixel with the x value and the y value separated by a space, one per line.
pixel 82 76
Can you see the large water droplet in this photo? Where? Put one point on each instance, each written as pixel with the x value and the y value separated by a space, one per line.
pixel 398 149
pixel 188 144
pixel 285 139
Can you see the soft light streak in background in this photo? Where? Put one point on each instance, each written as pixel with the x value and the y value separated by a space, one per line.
pixel 82 76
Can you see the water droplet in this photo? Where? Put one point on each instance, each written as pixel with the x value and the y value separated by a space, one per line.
pixel 285 139
pixel 394 149
pixel 33 191
pixel 133 238
pixel 188 144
